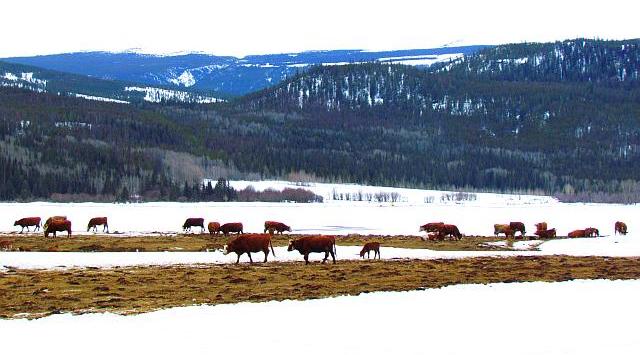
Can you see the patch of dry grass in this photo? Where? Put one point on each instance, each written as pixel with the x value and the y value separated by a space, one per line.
pixel 33 293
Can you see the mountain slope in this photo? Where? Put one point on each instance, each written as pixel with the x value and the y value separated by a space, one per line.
pixel 44 80
pixel 230 75
pixel 571 60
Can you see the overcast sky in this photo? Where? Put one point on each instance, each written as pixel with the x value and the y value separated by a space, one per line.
pixel 240 27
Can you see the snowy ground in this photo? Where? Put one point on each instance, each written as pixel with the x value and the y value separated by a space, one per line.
pixel 575 317
pixel 338 217
pixel 603 246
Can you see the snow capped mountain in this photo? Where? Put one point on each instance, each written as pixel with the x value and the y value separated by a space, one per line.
pixel 227 75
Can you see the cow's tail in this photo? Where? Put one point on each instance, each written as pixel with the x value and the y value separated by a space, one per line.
pixel 335 250
pixel 271 245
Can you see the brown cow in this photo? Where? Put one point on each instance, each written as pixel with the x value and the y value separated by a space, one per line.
pixel 6 245
pixel 235 227
pixel 542 226
pixel 500 228
pixel 98 221
pixel 518 227
pixel 279 227
pixel 547 233
pixel 193 222
pixel 620 227
pixel 57 225
pixel 431 227
pixel 314 244
pixel 449 230
pixel 28 222
pixel 214 228
pixel 368 247
pixel 53 218
pixel 249 244
pixel 578 233
pixel 591 232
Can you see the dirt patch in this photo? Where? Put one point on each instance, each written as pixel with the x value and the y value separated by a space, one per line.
pixel 33 293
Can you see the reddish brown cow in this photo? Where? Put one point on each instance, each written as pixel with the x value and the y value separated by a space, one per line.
pixel 518 227
pixel 193 222
pixel 250 244
pixel 214 228
pixel 53 218
pixel 98 221
pixel 592 232
pixel 314 244
pixel 5 245
pixel 449 230
pixel 578 233
pixel 548 233
pixel 368 247
pixel 542 226
pixel 235 227
pixel 431 227
pixel 28 222
pixel 620 227
pixel 273 226
pixel 57 225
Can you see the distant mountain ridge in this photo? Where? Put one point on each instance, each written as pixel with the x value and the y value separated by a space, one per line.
pixel 225 74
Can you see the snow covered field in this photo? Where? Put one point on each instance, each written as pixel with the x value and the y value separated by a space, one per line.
pixel 574 317
pixel 339 217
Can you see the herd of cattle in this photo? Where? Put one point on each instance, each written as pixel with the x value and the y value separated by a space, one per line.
pixel 253 243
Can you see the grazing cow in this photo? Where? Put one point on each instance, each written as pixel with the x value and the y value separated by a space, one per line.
pixel 28 222
pixel 591 232
pixel 250 244
pixel 214 228
pixel 500 228
pixel 5 245
pixel 314 244
pixel 232 228
pixel 449 230
pixel 547 233
pixel 620 227
pixel 578 233
pixel 542 226
pixel 193 222
pixel 279 227
pixel 53 218
pixel 431 227
pixel 57 225
pixel 368 247
pixel 518 227
pixel 98 221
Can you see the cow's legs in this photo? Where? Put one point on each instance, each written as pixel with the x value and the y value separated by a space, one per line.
pixel 333 256
pixel 306 259
pixel 266 252
pixel 250 260
pixel 237 261
pixel 326 256
pixel 369 254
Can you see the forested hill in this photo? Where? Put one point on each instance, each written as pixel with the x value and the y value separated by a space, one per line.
pixel 583 60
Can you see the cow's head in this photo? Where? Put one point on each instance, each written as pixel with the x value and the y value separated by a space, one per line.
pixel 362 253
pixel 287 228
pixel 15 223
pixel 291 245
pixel 423 228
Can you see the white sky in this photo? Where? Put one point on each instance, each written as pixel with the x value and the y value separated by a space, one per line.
pixel 240 27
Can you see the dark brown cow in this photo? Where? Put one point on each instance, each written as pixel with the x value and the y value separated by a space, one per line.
pixel 620 227
pixel 314 244
pixel 98 221
pixel 273 226
pixel 578 233
pixel 214 228
pixel 193 222
pixel 250 244
pixel 547 233
pixel 235 227
pixel 518 227
pixel 431 227
pixel 6 245
pixel 368 247
pixel 28 222
pixel 592 232
pixel 500 228
pixel 449 230
pixel 57 225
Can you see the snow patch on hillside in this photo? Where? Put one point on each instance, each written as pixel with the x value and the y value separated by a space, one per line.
pixel 157 95
pixel 98 98
pixel 24 80
pixel 185 79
